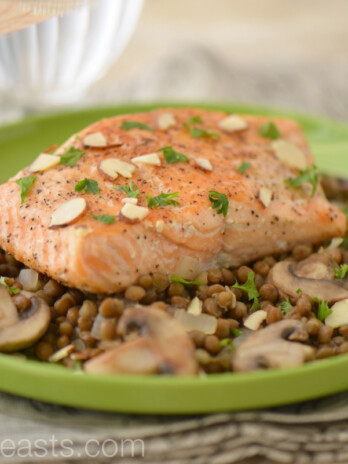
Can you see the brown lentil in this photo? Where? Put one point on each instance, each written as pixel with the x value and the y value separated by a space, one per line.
pixel 203 277
pixel 243 273
pixel 343 330
pixel 228 276
pixel 160 281
pixel 9 270
pixel 240 310
pixel 179 302
pixel 160 305
pixel 145 281
pixel 313 326
pixel 107 330
pixel 214 276
pixel 49 338
pixel 43 351
pixel 64 303
pixel 324 352
pixel 197 337
pixel 134 293
pixel 202 356
pixel 343 348
pixel 215 288
pixel 212 344
pixel 62 341
pixel 301 252
pixel 72 315
pixel 325 334
pixel 225 298
pixel 335 254
pixel 223 329
pixel 22 302
pixel 210 306
pixel 53 289
pixel 65 328
pixel 109 308
pixel 338 340
pixel 176 289
pixel 88 309
pixel 150 297
pixel 274 314
pixel 84 323
pixel 259 280
pixel 269 292
pixel 87 338
pixel 299 336
pixel 304 304
pixel 262 267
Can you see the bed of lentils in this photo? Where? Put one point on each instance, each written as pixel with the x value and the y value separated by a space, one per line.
pixel 73 312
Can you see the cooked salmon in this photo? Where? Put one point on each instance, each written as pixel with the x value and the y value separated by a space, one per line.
pixel 230 202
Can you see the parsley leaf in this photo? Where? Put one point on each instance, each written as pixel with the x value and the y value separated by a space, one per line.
pixel 309 175
pixel 164 199
pixel 196 132
pixel 195 120
pixel 227 342
pixel 172 156
pixel 285 306
pixel 323 309
pixel 71 156
pixel 131 190
pixel 243 167
pixel 25 184
pixel 298 291
pixel 104 218
pixel 12 290
pixel 88 185
pixel 219 202
pixel 341 271
pixel 128 125
pixel 250 288
pixel 185 282
pixel 236 332
pixel 270 131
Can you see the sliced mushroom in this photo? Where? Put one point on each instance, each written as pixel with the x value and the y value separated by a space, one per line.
pixel 271 348
pixel 162 346
pixel 20 329
pixel 314 276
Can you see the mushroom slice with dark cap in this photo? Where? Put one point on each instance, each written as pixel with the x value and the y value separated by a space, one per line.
pixel 21 329
pixel 314 276
pixel 162 346
pixel 271 348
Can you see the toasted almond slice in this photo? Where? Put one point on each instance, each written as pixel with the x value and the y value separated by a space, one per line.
pixel 335 243
pixel 152 158
pixel 159 225
pixel 289 154
pixel 204 164
pixel 233 123
pixel 255 320
pixel 202 322
pixel 133 213
pixel 195 307
pixel 265 196
pixel 166 120
pixel 339 315
pixel 97 139
pixel 61 354
pixel 131 200
pixel 111 167
pixel 68 212
pixel 43 162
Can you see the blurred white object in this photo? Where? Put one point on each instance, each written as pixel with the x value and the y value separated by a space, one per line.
pixel 55 61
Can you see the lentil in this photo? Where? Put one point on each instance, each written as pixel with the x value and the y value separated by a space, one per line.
pixel 134 293
pixel 269 292
pixel 107 330
pixel 212 344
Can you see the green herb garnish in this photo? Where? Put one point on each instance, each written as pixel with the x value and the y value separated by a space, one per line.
pixel 323 309
pixel 285 306
pixel 309 175
pixel 236 332
pixel 25 184
pixel 243 167
pixel 88 185
pixel 104 218
pixel 195 120
pixel 227 342
pixel 298 291
pixel 128 125
pixel 71 156
pixel 250 288
pixel 219 202
pixel 131 190
pixel 270 131
pixel 185 282
pixel 172 156
pixel 195 131
pixel 12 290
pixel 341 271
pixel 164 199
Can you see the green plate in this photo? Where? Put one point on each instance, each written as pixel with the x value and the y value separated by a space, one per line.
pixel 19 144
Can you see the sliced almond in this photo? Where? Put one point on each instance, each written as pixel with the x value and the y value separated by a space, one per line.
pixel 68 212
pixel 152 159
pixel 43 162
pixel 111 167
pixel 265 196
pixel 204 164
pixel 335 243
pixel 339 315
pixel 289 154
pixel 159 225
pixel 61 354
pixel 233 123
pixel 195 307
pixel 202 322
pixel 133 213
pixel 254 321
pixel 166 120
pixel 131 200
pixel 97 139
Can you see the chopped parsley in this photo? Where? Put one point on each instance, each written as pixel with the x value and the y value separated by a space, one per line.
pixel 270 131
pixel 12 290
pixel 250 288
pixel 71 156
pixel 227 342
pixel 128 125
pixel 219 202
pixel 25 184
pixel 88 185
pixel 323 309
pixel 285 306
pixel 243 167
pixel 341 272
pixel 195 131
pixel 185 282
pixel 104 218
pixel 164 199
pixel 131 190
pixel 309 175
pixel 236 332
pixel 298 291
pixel 195 120
pixel 172 156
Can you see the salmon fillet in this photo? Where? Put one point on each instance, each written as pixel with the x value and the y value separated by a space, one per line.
pixel 176 240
